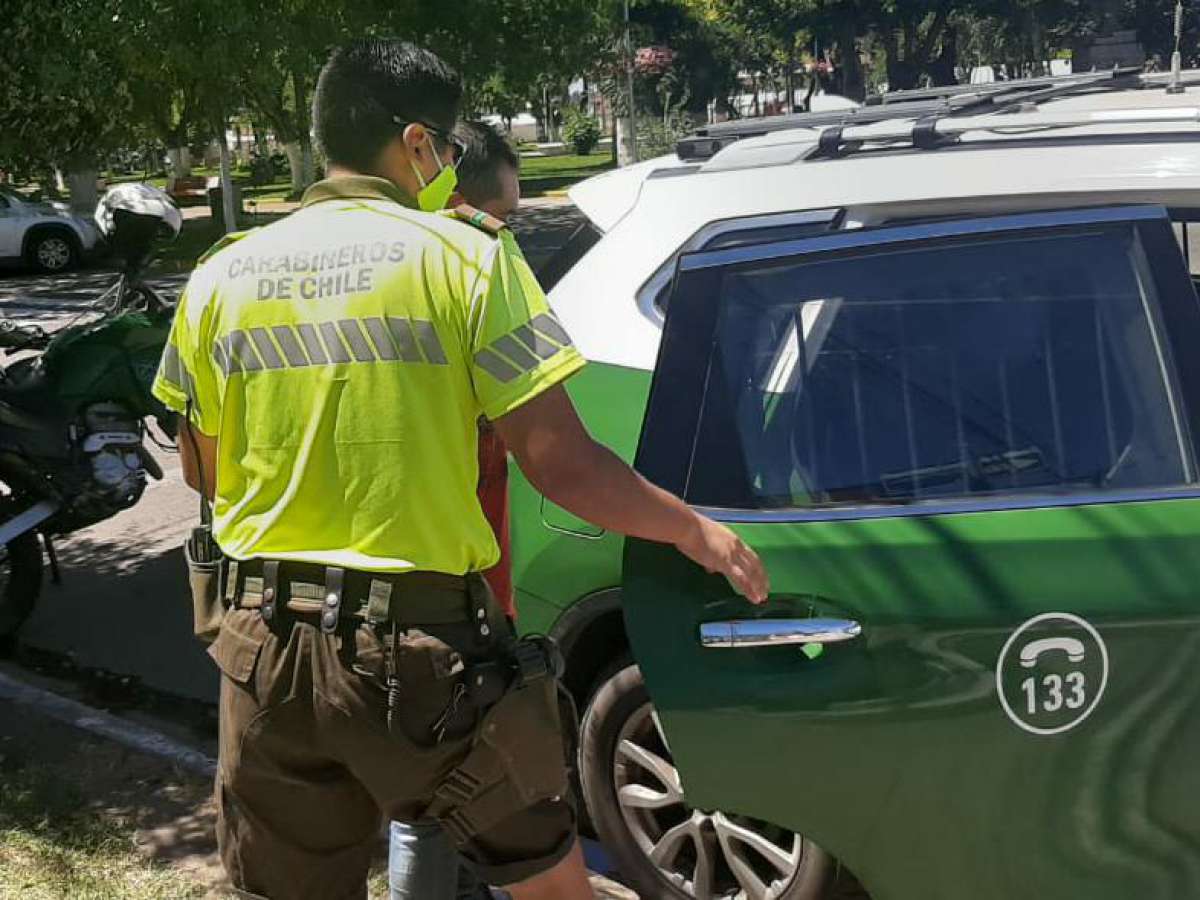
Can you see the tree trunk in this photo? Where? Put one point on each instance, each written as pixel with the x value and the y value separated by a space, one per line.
pixel 227 205
pixel 303 127
pixel 81 184
pixel 180 159
pixel 308 165
pixel 853 82
pixel 789 82
pixel 295 157
pixel 626 140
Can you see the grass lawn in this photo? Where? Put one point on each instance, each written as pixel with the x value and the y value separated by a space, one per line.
pixel 539 174
pixel 85 819
pixel 54 843
pixel 276 190
pixel 544 173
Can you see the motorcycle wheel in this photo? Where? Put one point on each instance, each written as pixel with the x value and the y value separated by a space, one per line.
pixel 20 584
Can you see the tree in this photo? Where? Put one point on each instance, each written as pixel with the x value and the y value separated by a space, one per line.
pixel 66 101
pixel 190 49
pixel 287 43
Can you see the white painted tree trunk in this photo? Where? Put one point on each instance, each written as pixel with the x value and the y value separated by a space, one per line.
pixel 295 157
pixel 227 206
pixel 300 161
pixel 626 141
pixel 81 185
pixel 308 165
pixel 180 160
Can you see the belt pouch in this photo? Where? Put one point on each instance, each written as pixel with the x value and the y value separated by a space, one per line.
pixel 204 561
pixel 203 556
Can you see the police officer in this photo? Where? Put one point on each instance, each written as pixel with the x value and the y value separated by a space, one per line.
pixel 422 863
pixel 331 368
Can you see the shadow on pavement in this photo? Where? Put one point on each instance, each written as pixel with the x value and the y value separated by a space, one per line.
pixel 125 617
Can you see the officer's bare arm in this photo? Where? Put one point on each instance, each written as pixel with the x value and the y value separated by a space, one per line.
pixel 190 440
pixel 559 457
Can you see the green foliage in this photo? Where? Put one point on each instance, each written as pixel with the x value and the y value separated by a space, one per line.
pixel 65 98
pixel 262 170
pixel 581 131
pixel 84 79
pixel 658 136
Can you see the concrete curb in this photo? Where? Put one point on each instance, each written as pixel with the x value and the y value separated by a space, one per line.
pixel 98 722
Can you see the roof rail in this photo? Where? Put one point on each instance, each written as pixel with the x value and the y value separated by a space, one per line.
pixel 947 92
pixel 932 132
pixel 924 103
pixel 711 139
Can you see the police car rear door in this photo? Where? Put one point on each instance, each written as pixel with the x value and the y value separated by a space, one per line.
pixel 965 451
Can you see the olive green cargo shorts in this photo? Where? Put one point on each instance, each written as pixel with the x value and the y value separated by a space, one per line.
pixel 309 768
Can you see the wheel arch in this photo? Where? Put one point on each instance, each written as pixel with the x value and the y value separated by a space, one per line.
pixel 591 634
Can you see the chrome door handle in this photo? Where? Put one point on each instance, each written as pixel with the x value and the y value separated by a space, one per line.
pixel 774 632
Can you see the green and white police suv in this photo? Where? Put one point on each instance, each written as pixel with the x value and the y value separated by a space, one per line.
pixel 935 360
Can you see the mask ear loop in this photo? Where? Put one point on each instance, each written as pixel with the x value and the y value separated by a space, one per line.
pixel 417 169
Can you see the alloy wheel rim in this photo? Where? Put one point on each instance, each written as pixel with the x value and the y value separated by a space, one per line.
pixel 705 855
pixel 53 253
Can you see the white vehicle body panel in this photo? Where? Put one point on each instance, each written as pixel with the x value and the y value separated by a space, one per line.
pixel 647 219
pixel 21 215
pixel 10 228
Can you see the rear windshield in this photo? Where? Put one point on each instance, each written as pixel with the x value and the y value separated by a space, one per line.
pixel 899 374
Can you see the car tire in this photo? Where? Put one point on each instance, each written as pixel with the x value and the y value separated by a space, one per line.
pixel 617 717
pixel 21 570
pixel 53 251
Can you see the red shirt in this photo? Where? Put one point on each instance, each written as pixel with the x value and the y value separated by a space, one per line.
pixel 493 497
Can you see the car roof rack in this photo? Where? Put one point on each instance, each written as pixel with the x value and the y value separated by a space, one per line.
pixel 926 104
pixel 992 88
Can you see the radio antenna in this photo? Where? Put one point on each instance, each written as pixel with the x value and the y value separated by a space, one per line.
pixel 1175 86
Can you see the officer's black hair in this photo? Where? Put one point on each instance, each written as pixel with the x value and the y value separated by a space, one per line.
pixel 479 170
pixel 367 83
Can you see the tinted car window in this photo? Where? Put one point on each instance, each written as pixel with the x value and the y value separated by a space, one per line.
pixel 743 237
pixel 986 366
pixel 582 240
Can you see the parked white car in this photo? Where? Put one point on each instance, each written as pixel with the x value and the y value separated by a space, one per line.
pixel 47 236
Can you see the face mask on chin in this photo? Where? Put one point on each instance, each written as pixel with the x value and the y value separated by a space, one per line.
pixel 434 193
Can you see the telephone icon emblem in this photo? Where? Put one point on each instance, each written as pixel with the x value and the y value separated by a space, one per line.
pixel 1051 673
pixel 1031 652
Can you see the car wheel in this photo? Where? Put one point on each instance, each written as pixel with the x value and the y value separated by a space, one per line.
pixel 663 846
pixel 52 252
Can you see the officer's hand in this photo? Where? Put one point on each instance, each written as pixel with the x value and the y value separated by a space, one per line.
pixel 718 549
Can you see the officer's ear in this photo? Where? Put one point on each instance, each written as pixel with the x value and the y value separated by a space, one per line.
pixel 416 140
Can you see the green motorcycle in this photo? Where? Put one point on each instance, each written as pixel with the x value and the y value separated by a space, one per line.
pixel 74 406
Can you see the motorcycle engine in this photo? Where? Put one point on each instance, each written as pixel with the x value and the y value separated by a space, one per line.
pixel 111 440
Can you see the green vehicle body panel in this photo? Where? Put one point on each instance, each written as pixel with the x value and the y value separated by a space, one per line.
pixel 907 751
pixel 909 770
pixel 557 557
pixel 907 767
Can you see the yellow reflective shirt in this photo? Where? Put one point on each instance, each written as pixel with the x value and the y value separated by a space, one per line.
pixel 342 357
